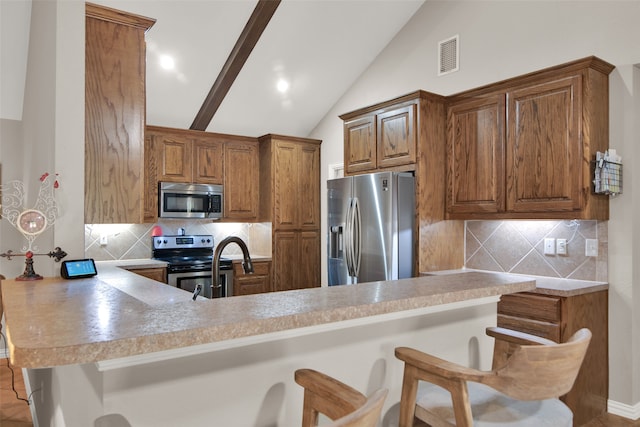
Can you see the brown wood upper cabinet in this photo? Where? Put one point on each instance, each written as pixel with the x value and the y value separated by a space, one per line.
pixel 181 155
pixel 114 88
pixel 241 179
pixel 522 148
pixel 185 155
pixel 290 169
pixel 380 139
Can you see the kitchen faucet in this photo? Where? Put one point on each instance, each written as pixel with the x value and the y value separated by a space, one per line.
pixel 246 263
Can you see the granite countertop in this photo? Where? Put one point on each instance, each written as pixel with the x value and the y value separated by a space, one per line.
pixel 118 314
pixel 132 264
pixel 546 285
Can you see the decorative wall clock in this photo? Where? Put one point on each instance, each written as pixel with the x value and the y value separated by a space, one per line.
pixel 30 222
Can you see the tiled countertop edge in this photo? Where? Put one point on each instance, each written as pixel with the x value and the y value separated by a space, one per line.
pixel 545 285
pixel 159 356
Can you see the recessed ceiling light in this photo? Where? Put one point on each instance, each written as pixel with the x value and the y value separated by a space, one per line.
pixel 167 62
pixel 282 85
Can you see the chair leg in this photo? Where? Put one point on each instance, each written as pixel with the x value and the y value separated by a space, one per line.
pixel 309 414
pixel 461 406
pixel 408 397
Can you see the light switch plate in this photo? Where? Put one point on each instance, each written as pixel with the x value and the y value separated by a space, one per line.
pixel 591 247
pixel 549 246
pixel 561 246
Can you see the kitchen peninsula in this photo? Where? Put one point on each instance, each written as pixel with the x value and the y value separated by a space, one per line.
pixel 121 343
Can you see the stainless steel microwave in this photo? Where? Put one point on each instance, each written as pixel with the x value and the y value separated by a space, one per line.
pixel 178 200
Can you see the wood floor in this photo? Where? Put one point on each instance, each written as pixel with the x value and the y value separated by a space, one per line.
pixel 16 413
pixel 612 421
pixel 13 412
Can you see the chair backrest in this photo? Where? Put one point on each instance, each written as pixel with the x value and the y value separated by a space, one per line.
pixel 536 372
pixel 344 405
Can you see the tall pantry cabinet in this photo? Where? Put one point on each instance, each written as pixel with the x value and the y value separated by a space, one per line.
pixel 114 115
pixel 290 200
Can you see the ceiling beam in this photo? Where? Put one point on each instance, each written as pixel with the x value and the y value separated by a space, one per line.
pixel 249 37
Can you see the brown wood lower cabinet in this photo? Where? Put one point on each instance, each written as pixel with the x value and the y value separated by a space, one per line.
pixel 157 274
pixel 557 318
pixel 296 256
pixel 256 283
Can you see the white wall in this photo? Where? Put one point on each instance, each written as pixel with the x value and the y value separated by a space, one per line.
pixel 624 238
pixel 69 127
pixel 14 40
pixel 10 149
pixel 499 40
pixel 631 141
pixel 50 137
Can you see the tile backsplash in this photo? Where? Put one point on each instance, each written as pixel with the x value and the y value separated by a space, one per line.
pixel 133 241
pixel 518 247
pixel 505 246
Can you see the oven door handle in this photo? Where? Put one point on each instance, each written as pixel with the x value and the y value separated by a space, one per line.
pixel 197 291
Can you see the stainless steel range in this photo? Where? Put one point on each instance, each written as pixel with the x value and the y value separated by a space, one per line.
pixel 189 261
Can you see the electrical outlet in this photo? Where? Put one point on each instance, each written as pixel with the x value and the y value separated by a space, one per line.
pixel 549 246
pixel 561 246
pixel 591 247
pixel 103 240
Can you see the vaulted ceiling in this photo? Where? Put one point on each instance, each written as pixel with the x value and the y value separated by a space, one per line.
pixel 319 47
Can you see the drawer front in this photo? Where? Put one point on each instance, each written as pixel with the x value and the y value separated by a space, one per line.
pixel 531 306
pixel 260 268
pixel 250 285
pixel 157 274
pixel 547 330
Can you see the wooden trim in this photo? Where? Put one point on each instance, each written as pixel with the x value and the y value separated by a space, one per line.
pixel 272 136
pixel 394 103
pixel 591 62
pixel 249 37
pixel 117 16
pixel 197 133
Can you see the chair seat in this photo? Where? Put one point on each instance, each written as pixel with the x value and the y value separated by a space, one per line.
pixel 491 408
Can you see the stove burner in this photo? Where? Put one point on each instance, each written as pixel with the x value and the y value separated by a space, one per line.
pixel 186 253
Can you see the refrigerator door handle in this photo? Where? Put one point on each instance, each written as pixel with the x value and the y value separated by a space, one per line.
pixel 356 241
pixel 348 240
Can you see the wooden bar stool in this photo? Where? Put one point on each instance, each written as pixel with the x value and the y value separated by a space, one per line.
pixel 1 307
pixel 529 374
pixel 346 406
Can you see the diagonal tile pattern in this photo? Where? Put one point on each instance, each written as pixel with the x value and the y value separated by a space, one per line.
pixel 133 241
pixel 518 247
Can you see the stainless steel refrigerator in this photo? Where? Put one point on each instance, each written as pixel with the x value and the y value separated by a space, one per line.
pixel 370 227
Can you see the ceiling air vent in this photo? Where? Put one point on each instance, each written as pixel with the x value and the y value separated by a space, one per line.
pixel 448 55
